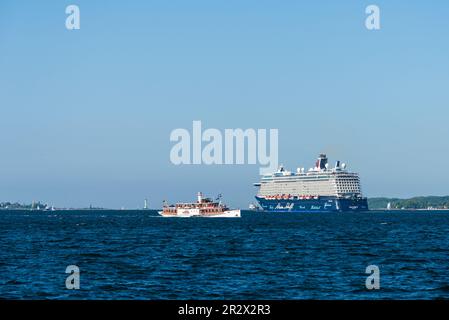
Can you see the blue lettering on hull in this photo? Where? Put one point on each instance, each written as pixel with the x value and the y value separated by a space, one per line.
pixel 323 204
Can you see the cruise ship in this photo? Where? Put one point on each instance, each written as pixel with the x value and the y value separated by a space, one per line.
pixel 319 189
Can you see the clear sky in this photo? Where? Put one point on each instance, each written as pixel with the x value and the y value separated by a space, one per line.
pixel 86 114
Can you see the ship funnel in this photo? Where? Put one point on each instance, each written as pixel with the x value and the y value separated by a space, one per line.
pixel 337 164
pixel 200 197
pixel 322 161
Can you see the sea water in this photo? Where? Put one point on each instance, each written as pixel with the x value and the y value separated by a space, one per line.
pixel 139 255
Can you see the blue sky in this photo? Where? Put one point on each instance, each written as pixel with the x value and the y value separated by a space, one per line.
pixel 86 115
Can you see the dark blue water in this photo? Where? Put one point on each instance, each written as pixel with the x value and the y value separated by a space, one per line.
pixel 135 255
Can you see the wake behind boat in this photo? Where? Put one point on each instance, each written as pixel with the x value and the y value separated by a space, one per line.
pixel 203 207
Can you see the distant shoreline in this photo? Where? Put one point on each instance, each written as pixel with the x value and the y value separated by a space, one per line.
pixel 427 203
pixel 420 203
pixel 41 211
pixel 406 209
pixel 75 209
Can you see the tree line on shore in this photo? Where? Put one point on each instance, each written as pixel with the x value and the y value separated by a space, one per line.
pixel 433 202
